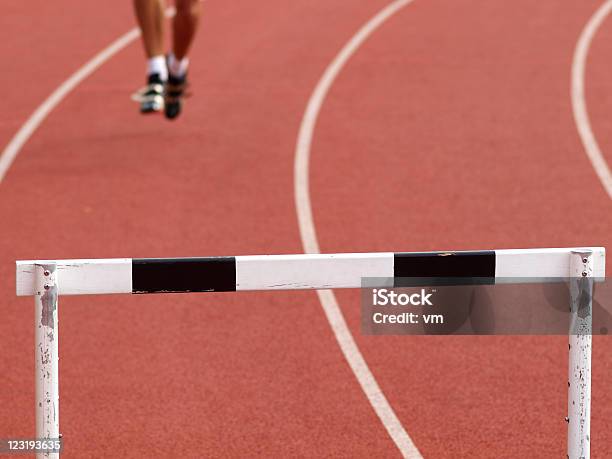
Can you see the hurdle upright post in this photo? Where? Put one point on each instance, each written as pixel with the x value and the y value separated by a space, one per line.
pixel 580 348
pixel 47 359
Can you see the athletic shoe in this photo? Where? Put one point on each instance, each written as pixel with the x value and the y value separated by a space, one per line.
pixel 173 96
pixel 152 97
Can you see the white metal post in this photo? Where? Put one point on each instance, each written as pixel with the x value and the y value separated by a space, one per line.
pixel 580 346
pixel 47 368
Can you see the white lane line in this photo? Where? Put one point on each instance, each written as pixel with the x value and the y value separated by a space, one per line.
pixel 581 116
pixel 15 145
pixel 309 237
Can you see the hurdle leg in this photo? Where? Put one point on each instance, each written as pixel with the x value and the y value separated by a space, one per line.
pixel 47 368
pixel 580 347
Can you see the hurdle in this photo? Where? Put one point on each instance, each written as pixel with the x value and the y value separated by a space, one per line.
pixel 47 280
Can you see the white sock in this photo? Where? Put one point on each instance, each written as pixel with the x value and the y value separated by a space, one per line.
pixel 177 68
pixel 157 64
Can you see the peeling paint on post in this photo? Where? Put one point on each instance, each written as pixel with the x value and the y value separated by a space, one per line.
pixel 47 371
pixel 580 348
pixel 49 304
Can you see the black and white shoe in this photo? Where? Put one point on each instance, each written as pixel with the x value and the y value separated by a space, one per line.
pixel 152 95
pixel 173 95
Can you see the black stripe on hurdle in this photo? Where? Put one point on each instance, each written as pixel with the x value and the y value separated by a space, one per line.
pixel 446 266
pixel 157 275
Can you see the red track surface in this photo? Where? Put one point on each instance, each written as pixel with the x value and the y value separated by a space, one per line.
pixel 450 128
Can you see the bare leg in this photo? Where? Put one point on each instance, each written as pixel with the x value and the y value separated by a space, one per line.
pixel 150 15
pixel 184 26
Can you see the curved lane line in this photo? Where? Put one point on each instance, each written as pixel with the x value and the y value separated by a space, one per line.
pixel 581 116
pixel 309 237
pixel 26 131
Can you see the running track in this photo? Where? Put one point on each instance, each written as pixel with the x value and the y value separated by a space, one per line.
pixel 451 127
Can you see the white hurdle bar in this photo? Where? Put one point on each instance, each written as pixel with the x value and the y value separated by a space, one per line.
pixel 46 280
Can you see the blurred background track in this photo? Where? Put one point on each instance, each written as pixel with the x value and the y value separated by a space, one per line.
pixel 450 128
